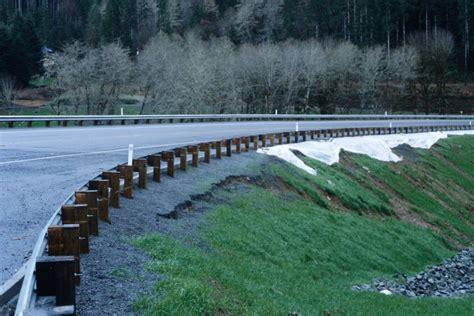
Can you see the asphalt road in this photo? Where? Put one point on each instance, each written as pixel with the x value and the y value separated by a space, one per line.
pixel 40 167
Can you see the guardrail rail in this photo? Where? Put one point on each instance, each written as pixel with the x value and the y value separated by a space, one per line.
pixel 79 120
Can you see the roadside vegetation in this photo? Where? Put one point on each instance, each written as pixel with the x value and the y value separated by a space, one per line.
pixel 296 243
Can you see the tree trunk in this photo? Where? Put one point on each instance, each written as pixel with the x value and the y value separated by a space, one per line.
pixel 404 32
pixel 466 40
pixel 145 97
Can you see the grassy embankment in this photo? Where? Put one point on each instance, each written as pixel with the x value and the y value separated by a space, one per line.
pixel 272 252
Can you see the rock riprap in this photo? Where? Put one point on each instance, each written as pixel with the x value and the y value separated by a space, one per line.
pixel 453 277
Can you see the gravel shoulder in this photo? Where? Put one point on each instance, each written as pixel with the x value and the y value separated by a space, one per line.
pixel 114 273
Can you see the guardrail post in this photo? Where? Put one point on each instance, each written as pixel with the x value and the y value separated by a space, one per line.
pixel 246 141
pixel 236 142
pixel 29 124
pixel 295 136
pixel 272 139
pixel 77 214
pixel 204 147
pixel 303 135
pixel 89 197
pixel 255 142
pixel 10 125
pixel 228 147
pixel 280 138
pixel 64 241
pixel 139 165
pixel 263 139
pixel 183 158
pixel 193 149
pixel 126 172
pixel 47 123
pixel 55 277
pixel 102 188
pixel 155 162
pixel 168 156
pixel 218 147
pixel 114 184
pixel 288 137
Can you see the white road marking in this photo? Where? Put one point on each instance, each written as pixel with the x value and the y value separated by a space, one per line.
pixel 91 153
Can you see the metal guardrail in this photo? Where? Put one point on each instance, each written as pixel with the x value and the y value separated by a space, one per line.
pixel 27 294
pixel 64 119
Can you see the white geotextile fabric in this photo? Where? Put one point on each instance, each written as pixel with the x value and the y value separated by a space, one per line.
pixel 375 146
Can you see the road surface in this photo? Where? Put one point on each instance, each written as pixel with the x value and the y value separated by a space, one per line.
pixel 40 167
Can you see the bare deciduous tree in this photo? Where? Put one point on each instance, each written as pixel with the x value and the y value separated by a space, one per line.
pixel 93 77
pixel 435 50
pixel 7 91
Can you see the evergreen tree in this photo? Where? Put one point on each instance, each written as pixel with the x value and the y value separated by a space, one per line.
pixel 25 52
pixel 4 49
pixel 93 27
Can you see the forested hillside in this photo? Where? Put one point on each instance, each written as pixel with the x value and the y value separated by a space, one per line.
pixel 363 22
pixel 373 31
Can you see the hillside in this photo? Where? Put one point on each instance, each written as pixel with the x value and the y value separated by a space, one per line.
pixel 284 241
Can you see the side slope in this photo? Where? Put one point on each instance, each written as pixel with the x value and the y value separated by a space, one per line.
pixel 290 242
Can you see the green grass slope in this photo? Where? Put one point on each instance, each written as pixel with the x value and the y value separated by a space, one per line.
pixel 299 242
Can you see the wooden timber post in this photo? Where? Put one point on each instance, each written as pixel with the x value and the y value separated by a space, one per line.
pixel 183 158
pixel 280 138
pixel 237 142
pixel 102 187
pixel 89 197
pixel 114 184
pixel 139 165
pixel 246 141
pixel 155 162
pixel 255 142
pixel 126 172
pixel 228 147
pixel 205 147
pixel 55 277
pixel 272 139
pixel 194 150
pixel 64 241
pixel 77 214
pixel 303 135
pixel 263 138
pixel 168 156
pixel 218 149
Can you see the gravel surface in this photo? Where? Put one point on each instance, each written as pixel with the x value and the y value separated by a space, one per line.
pixel 453 277
pixel 113 274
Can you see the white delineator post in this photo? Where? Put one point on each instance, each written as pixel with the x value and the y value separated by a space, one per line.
pixel 297 129
pixel 130 154
pixel 121 111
